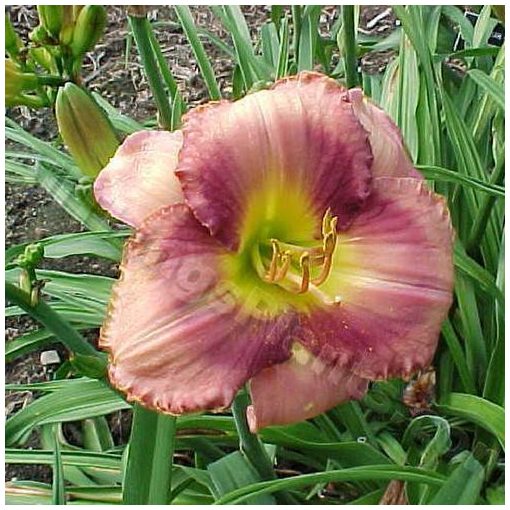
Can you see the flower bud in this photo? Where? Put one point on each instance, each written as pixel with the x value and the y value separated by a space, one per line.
pixel 85 129
pixel 76 11
pixel 89 27
pixel 12 41
pixel 43 57
pixel 67 30
pixel 51 18
pixel 32 256
pixel 16 82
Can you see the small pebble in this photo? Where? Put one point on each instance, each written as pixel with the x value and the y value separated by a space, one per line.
pixel 50 358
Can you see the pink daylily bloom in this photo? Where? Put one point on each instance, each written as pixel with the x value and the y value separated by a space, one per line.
pixel 284 240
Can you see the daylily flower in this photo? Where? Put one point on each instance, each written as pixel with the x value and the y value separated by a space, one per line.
pixel 284 239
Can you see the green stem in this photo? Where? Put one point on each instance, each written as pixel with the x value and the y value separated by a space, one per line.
pixel 249 444
pixel 50 80
pixel 485 210
pixel 51 320
pixel 350 58
pixel 140 27
pixel 252 447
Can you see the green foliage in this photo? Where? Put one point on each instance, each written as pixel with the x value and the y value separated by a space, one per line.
pixel 453 125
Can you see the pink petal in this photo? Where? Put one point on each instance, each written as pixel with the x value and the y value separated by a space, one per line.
pixel 140 178
pixel 179 339
pixel 391 284
pixel 300 134
pixel 298 389
pixel 391 158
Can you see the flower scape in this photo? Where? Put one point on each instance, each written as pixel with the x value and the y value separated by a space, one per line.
pixel 283 240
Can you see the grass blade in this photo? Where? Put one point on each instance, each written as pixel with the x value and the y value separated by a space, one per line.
pixel 308 37
pixel 445 175
pixel 147 479
pixel 188 25
pixel 283 51
pixel 352 474
pixel 141 28
pixel 491 86
pixel 475 409
pixel 463 486
pixel 79 401
pixel 58 491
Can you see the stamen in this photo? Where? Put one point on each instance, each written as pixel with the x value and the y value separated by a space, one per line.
pixel 304 263
pixel 318 256
pixel 286 258
pixel 329 248
pixel 332 225
pixel 326 221
pixel 270 276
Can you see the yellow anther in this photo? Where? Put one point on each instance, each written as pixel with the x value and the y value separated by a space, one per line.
pixel 326 221
pixel 333 224
pixel 304 263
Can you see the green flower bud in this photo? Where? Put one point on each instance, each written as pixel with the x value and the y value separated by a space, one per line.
pixel 89 27
pixel 43 57
pixel 76 11
pixel 12 41
pixel 85 129
pixel 51 18
pixel 17 82
pixel 31 257
pixel 67 30
pixel 34 253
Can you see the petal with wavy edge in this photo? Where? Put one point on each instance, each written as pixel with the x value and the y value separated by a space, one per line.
pixel 178 340
pixel 298 389
pixel 140 177
pixel 391 158
pixel 390 287
pixel 300 134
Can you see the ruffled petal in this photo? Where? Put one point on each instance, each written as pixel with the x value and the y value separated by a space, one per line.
pixel 301 137
pixel 391 158
pixel 140 178
pixel 298 389
pixel 390 287
pixel 179 340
